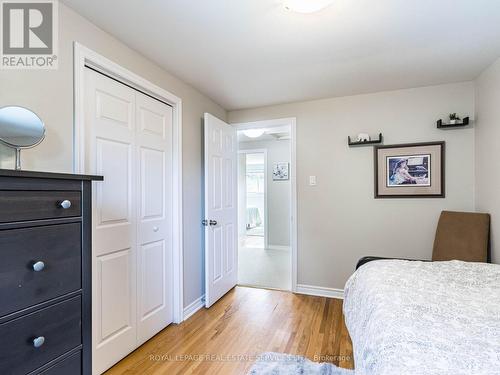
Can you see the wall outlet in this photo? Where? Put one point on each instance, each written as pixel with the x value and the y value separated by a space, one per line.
pixel 312 180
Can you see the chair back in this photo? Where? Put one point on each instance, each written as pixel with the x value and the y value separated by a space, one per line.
pixel 462 236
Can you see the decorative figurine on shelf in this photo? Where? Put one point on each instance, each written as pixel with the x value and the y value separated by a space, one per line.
pixel 454 119
pixel 363 137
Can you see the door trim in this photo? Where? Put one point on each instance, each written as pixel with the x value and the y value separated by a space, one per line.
pixel 266 180
pixel 85 57
pixel 291 122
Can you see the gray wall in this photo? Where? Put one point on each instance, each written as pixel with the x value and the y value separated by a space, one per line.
pixel 278 192
pixel 50 94
pixel 339 221
pixel 487 150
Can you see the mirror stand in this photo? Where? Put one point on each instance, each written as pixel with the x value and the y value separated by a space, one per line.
pixel 18 159
pixel 20 128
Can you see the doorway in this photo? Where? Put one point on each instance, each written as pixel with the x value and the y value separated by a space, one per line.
pixel 252 198
pixel 264 207
pixel 225 265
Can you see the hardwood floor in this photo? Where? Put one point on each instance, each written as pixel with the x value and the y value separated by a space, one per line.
pixel 244 323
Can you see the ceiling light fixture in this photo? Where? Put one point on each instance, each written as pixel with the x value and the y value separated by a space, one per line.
pixel 307 6
pixel 254 133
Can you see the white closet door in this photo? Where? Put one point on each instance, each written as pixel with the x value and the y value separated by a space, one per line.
pixel 221 209
pixel 154 231
pixel 110 151
pixel 129 141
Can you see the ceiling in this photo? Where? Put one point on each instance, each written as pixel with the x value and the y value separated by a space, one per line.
pixel 250 53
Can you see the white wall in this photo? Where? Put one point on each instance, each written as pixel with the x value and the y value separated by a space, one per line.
pixel 278 192
pixel 50 94
pixel 339 221
pixel 487 150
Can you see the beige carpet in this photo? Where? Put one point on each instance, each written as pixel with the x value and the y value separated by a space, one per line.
pixel 263 268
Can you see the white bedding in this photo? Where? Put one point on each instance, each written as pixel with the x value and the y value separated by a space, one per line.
pixel 423 318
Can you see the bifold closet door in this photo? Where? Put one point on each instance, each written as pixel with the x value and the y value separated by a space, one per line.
pixel 110 151
pixel 154 231
pixel 128 139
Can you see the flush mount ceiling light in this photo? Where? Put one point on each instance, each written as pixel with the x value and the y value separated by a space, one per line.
pixel 254 133
pixel 307 6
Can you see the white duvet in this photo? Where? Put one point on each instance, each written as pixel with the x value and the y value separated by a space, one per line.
pixel 423 318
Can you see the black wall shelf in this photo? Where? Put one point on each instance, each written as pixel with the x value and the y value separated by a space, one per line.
pixel 366 143
pixel 464 122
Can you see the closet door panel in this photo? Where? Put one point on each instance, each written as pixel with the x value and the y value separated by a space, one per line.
pixel 110 151
pixel 154 234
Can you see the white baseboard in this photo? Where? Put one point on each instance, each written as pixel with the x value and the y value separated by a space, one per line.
pixel 320 291
pixel 278 247
pixel 193 307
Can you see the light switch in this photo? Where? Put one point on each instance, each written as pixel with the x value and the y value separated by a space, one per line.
pixel 312 180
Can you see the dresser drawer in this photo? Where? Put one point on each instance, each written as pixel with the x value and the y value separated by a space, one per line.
pixel 69 366
pixel 59 247
pixel 59 325
pixel 37 205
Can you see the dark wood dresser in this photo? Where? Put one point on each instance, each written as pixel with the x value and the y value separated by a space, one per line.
pixel 45 273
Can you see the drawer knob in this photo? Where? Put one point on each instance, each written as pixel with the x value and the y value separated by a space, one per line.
pixel 38 266
pixel 38 341
pixel 65 204
pixel 156 229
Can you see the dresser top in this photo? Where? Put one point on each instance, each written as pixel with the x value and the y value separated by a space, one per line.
pixel 58 176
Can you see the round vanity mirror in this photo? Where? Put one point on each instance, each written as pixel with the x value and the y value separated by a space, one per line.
pixel 20 128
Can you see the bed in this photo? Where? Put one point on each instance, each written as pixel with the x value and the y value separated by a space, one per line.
pixel 424 318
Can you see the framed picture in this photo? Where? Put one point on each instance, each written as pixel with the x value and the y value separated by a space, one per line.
pixel 280 171
pixel 414 170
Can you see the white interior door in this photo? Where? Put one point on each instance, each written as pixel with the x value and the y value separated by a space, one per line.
pixel 221 209
pixel 129 141
pixel 154 232
pixel 110 144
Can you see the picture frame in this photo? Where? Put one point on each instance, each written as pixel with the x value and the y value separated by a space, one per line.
pixel 411 170
pixel 281 171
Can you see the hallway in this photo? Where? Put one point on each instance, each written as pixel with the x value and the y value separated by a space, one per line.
pixel 260 267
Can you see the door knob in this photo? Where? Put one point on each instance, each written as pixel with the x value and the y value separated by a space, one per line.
pixel 209 222
pixel 38 266
pixel 38 341
pixel 65 204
